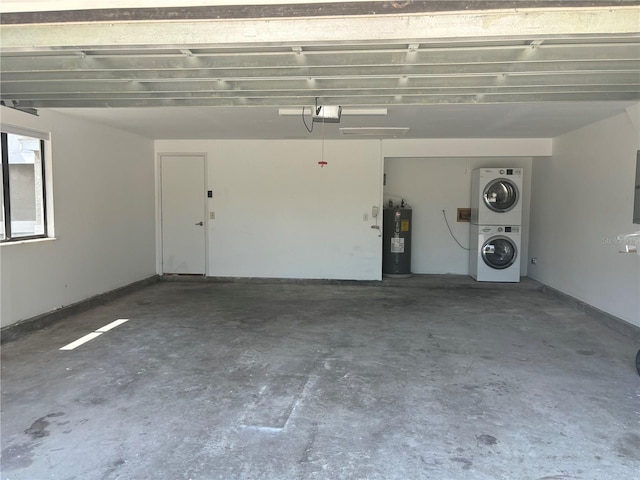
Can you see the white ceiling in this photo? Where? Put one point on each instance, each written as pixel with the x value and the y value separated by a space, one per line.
pixel 494 73
pixel 538 120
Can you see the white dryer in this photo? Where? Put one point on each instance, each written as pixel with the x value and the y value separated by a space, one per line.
pixel 495 253
pixel 496 196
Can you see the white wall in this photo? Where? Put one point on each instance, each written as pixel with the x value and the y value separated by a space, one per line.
pixel 467 147
pixel 431 185
pixel 103 195
pixel 582 199
pixel 279 214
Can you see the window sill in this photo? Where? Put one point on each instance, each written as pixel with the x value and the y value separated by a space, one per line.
pixel 31 240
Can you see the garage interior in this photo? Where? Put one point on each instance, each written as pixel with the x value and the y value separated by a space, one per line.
pixel 256 336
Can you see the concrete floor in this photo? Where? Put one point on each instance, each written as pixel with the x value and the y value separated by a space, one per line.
pixel 438 379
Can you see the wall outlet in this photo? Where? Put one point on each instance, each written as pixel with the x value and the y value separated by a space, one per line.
pixel 212 215
pixel 464 215
pixel 365 217
pixel 534 260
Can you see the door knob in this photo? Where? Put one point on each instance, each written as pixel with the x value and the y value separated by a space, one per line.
pixel 200 223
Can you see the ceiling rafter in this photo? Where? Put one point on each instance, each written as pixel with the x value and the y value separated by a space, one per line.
pixel 216 101
pixel 288 84
pixel 301 9
pixel 328 58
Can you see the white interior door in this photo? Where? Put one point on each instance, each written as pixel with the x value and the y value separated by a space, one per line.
pixel 183 195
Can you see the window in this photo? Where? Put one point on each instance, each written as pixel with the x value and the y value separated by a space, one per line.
pixel 23 212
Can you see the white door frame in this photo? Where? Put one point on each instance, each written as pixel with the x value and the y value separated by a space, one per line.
pixel 158 178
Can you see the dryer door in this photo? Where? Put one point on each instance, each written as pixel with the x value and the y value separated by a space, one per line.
pixel 499 252
pixel 500 195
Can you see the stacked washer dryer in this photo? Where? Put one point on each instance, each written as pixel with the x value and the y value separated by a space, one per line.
pixel 496 219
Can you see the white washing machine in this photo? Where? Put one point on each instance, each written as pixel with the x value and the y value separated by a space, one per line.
pixel 495 253
pixel 496 196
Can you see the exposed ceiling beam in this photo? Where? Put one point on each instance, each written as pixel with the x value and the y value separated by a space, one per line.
pixel 372 100
pixel 26 12
pixel 509 23
pixel 327 58
pixel 615 66
pixel 27 87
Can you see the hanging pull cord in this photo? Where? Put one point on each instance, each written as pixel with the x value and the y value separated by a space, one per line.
pixel 322 162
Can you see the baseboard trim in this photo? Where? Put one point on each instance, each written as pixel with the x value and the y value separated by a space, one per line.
pixel 267 280
pixel 617 324
pixel 23 327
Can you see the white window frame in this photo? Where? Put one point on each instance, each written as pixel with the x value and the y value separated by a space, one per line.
pixel 46 184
